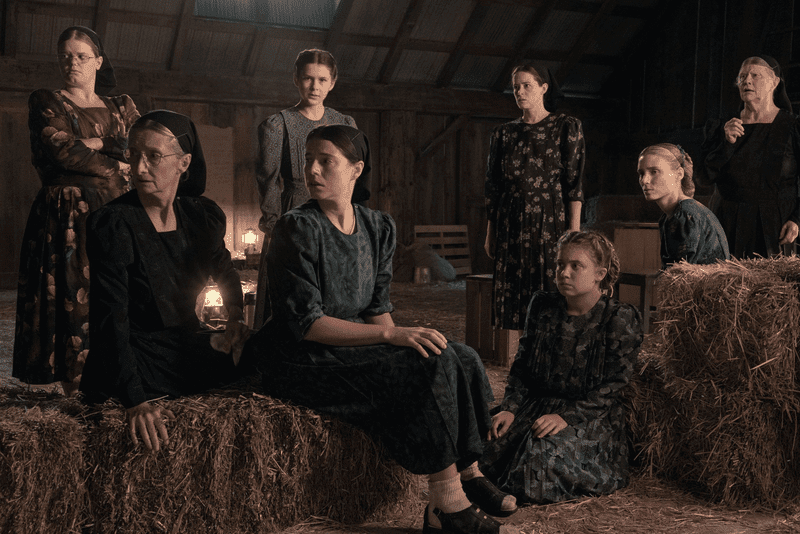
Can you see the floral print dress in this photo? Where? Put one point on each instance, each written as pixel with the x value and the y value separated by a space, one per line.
pixel 534 171
pixel 576 367
pixel 52 322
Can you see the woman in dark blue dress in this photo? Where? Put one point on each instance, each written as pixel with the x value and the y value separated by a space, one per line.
pixel 689 231
pixel 331 344
pixel 152 251
pixel 561 433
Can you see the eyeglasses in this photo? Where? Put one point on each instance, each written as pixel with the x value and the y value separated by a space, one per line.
pixel 153 159
pixel 68 58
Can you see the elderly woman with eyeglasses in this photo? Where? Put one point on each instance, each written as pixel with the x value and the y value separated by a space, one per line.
pixel 152 251
pixel 752 160
pixel 78 136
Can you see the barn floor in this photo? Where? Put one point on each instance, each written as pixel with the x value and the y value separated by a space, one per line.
pixel 646 506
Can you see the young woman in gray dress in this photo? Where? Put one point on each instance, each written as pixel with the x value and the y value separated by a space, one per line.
pixel 281 144
pixel 332 345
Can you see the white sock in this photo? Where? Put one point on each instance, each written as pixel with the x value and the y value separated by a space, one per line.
pixel 447 495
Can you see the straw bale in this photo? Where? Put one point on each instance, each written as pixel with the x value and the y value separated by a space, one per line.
pixel 41 466
pixel 240 463
pixel 715 405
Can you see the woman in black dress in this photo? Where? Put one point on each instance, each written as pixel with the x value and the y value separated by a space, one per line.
pixel 533 193
pixel 561 430
pixel 331 344
pixel 78 135
pixel 752 160
pixel 152 251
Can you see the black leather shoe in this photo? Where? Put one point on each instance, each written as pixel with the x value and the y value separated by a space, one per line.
pixel 483 493
pixel 471 520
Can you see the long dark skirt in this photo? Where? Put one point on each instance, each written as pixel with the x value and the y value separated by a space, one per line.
pixel 429 412
pixel 590 458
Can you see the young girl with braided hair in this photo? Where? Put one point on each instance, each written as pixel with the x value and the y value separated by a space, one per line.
pixel 689 231
pixel 560 431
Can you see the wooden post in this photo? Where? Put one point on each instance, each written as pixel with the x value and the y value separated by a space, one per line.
pixel 396 171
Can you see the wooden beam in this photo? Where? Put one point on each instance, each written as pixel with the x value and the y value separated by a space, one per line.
pixel 257 44
pixel 181 35
pixel 336 30
pixel 398 45
pixel 585 40
pixel 9 28
pixel 535 23
pixel 451 130
pixel 101 12
pixel 472 26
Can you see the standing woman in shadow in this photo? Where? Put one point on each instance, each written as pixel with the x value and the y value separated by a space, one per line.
pixel 533 194
pixel 78 136
pixel 282 145
pixel 752 160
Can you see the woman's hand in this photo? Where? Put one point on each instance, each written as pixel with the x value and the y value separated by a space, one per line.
pixel 733 129
pixel 547 425
pixel 418 338
pixel 501 422
pixel 789 232
pixel 488 245
pixel 148 420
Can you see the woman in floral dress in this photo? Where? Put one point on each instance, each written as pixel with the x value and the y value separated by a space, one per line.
pixel 78 136
pixel 533 194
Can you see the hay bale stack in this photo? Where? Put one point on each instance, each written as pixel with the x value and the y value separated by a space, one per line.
pixel 716 405
pixel 235 463
pixel 41 466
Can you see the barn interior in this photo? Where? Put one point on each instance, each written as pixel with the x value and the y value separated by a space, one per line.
pixel 427 81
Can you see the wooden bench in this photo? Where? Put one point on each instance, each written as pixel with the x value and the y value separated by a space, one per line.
pixel 451 242
pixel 492 344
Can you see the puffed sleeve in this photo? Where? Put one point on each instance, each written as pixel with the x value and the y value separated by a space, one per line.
pixel 572 146
pixel 111 368
pixel 495 181
pixel 55 141
pixel 623 334
pixel 222 270
pixel 517 383
pixel 292 267
pixel 271 134
pixel 380 297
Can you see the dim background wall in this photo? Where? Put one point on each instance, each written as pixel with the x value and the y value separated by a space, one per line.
pixel 429 145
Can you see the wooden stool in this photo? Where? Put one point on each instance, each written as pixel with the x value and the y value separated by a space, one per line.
pixel 646 303
pixel 492 345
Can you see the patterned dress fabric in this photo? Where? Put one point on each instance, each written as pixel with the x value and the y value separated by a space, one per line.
pixel 280 178
pixel 146 340
pixel 51 338
pixel 756 182
pixel 576 367
pixel 692 233
pixel 534 171
pixel 428 412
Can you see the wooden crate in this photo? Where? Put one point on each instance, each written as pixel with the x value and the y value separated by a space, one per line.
pixel 451 242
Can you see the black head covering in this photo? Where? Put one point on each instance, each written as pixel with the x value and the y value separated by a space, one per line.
pixel 554 93
pixel 361 146
pixel 105 80
pixel 193 181
pixel 779 95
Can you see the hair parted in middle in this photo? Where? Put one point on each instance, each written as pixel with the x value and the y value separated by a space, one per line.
pixel 679 158
pixel 601 251
pixel 313 56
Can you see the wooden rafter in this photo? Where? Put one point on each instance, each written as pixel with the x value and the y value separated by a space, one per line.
pixel 181 35
pixel 522 50
pixel 254 51
pixel 586 38
pixel 472 26
pixel 398 45
pixel 101 11
pixel 332 40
